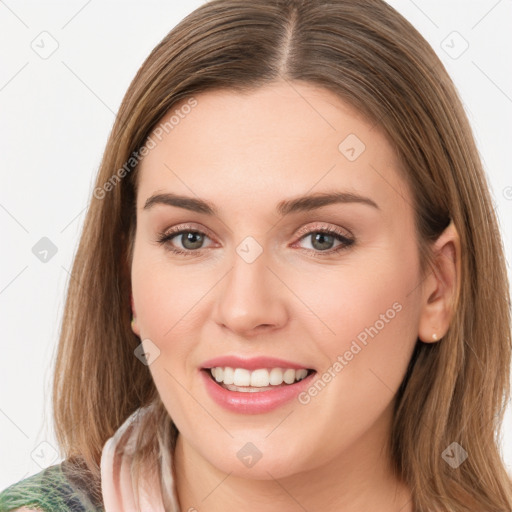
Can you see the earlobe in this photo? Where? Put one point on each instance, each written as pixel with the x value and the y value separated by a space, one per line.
pixel 441 287
pixel 135 327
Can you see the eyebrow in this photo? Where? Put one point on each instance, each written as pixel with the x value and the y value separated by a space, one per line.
pixel 298 204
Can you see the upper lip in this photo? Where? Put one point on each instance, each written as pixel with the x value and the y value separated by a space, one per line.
pixel 252 363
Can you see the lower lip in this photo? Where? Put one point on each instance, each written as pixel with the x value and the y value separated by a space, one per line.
pixel 253 402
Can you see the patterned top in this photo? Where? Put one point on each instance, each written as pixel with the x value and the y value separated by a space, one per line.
pixel 70 487
pixel 51 490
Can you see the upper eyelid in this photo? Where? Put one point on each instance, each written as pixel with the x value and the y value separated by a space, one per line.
pixel 305 230
pixel 186 227
pixel 324 227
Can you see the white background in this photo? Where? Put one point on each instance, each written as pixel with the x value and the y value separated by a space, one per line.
pixel 55 116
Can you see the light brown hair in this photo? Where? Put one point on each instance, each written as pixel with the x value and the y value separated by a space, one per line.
pixel 375 60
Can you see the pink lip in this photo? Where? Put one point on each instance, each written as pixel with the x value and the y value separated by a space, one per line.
pixel 257 402
pixel 253 363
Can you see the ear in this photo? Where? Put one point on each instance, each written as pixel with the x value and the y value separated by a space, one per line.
pixel 441 287
pixel 135 327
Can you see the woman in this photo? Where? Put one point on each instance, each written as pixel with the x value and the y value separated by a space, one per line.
pixel 290 289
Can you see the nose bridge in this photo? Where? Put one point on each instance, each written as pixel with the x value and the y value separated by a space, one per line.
pixel 251 295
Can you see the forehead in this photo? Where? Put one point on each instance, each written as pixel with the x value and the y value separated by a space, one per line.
pixel 282 140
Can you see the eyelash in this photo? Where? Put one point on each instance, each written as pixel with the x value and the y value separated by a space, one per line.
pixel 165 237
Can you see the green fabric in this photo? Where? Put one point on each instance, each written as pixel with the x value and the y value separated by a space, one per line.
pixel 50 491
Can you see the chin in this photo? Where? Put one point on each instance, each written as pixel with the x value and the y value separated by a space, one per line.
pixel 256 460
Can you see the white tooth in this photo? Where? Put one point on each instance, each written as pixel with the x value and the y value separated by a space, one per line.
pixel 300 374
pixel 276 376
pixel 259 378
pixel 228 375
pixel 219 374
pixel 242 377
pixel 289 376
pixel 247 389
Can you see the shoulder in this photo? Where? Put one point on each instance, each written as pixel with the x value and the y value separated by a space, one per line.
pixel 47 491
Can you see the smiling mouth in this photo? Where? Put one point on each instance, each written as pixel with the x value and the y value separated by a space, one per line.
pixel 262 379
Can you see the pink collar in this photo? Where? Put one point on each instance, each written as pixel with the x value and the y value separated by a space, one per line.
pixel 119 493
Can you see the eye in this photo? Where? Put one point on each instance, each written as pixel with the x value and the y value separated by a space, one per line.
pixel 322 240
pixel 191 240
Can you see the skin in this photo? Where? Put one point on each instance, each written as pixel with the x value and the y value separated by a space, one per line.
pixel 246 153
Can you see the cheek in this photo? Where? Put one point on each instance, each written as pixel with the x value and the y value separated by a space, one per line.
pixel 164 300
pixel 367 315
pixel 164 294
pixel 369 329
pixel 170 304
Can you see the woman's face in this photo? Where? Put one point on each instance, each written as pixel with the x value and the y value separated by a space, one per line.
pixel 262 280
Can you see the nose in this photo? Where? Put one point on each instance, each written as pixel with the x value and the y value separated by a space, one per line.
pixel 251 298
